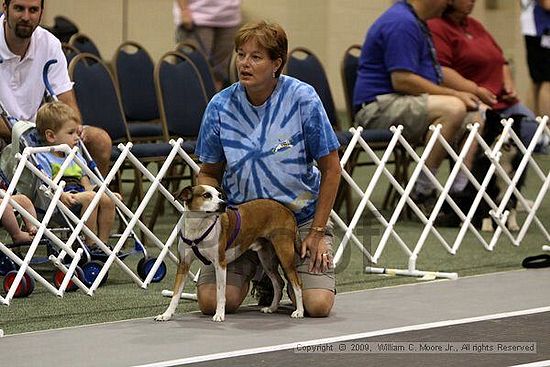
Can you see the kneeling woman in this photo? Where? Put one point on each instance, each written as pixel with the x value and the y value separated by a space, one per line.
pixel 268 136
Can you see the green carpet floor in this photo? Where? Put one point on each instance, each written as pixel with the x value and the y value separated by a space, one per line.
pixel 120 298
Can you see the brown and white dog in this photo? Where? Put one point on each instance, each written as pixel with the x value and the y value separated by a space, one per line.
pixel 210 232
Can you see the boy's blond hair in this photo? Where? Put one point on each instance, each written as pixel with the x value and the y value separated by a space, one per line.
pixel 53 115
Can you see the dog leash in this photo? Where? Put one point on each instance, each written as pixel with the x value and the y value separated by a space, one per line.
pixel 193 243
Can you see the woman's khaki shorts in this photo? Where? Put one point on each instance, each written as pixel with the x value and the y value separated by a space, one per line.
pixel 242 270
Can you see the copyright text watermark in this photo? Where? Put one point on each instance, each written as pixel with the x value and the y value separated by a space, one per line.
pixel 420 347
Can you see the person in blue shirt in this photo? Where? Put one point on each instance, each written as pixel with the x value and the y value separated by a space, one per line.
pixel 268 136
pixel 399 82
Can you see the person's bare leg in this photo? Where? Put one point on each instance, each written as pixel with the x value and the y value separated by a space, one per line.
pixel 27 204
pixel 318 302
pixel 105 218
pixel 469 158
pixel 9 221
pixel 85 198
pixel 206 296
pixel 450 113
pixel 99 144
pixel 543 99
pixel 534 91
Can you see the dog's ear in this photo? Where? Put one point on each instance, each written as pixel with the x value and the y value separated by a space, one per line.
pixel 493 127
pixel 184 194
pixel 518 120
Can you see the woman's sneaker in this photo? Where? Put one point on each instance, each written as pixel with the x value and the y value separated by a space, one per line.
pixel 262 290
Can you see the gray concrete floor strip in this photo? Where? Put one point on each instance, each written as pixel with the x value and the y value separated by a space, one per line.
pixel 138 342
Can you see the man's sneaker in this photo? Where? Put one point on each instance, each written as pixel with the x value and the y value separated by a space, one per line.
pixel 447 219
pixel 425 202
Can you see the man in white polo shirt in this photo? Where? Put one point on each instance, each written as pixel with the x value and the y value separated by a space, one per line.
pixel 25 47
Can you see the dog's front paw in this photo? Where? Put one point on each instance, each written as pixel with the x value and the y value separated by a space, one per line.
pixel 163 317
pixel 297 314
pixel 266 310
pixel 487 225
pixel 513 226
pixel 218 317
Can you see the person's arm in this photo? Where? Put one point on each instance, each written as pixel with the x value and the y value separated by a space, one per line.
pixel 329 166
pixel 510 93
pixel 210 174
pixel 186 16
pixel 5 131
pixel 69 99
pixel 85 182
pixel 545 4
pixel 452 79
pixel 407 82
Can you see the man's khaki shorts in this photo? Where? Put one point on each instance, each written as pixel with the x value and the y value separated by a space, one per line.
pixel 242 270
pixel 409 111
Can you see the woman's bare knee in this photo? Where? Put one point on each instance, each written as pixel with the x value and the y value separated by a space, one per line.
pixel 318 302
pixel 206 296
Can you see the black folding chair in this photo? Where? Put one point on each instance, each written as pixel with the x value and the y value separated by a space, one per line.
pixel 133 70
pixel 304 65
pixel 201 62
pixel 100 105
pixel 83 44
pixel 349 65
pixel 182 100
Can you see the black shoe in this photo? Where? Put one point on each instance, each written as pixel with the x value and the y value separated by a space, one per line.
pixel 447 219
pixel 425 202
pixel 463 199
pixel 262 290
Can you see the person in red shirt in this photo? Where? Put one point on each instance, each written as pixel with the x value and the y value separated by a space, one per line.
pixel 472 61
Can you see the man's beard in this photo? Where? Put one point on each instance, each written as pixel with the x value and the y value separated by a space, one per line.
pixel 23 31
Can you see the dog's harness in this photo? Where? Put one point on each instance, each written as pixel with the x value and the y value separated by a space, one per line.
pixel 193 243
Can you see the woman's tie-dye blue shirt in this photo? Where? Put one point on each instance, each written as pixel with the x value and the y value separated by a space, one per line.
pixel 269 150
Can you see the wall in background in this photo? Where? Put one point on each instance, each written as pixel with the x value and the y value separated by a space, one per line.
pixel 327 27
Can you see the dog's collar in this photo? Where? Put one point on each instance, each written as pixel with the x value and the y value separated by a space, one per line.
pixel 193 243
pixel 200 213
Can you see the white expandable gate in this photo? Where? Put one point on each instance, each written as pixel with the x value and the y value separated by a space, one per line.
pixel 498 212
pixel 52 189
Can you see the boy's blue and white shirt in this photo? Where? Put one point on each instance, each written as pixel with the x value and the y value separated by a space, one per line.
pixel 269 150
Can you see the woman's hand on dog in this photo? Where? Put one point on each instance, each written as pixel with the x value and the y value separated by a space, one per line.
pixel 315 247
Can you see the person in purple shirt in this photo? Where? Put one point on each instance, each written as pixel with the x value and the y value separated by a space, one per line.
pixel 399 82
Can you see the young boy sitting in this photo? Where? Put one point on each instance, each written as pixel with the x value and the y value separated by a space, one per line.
pixel 57 123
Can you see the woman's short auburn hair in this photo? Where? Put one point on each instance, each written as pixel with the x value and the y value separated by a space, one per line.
pixel 270 36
